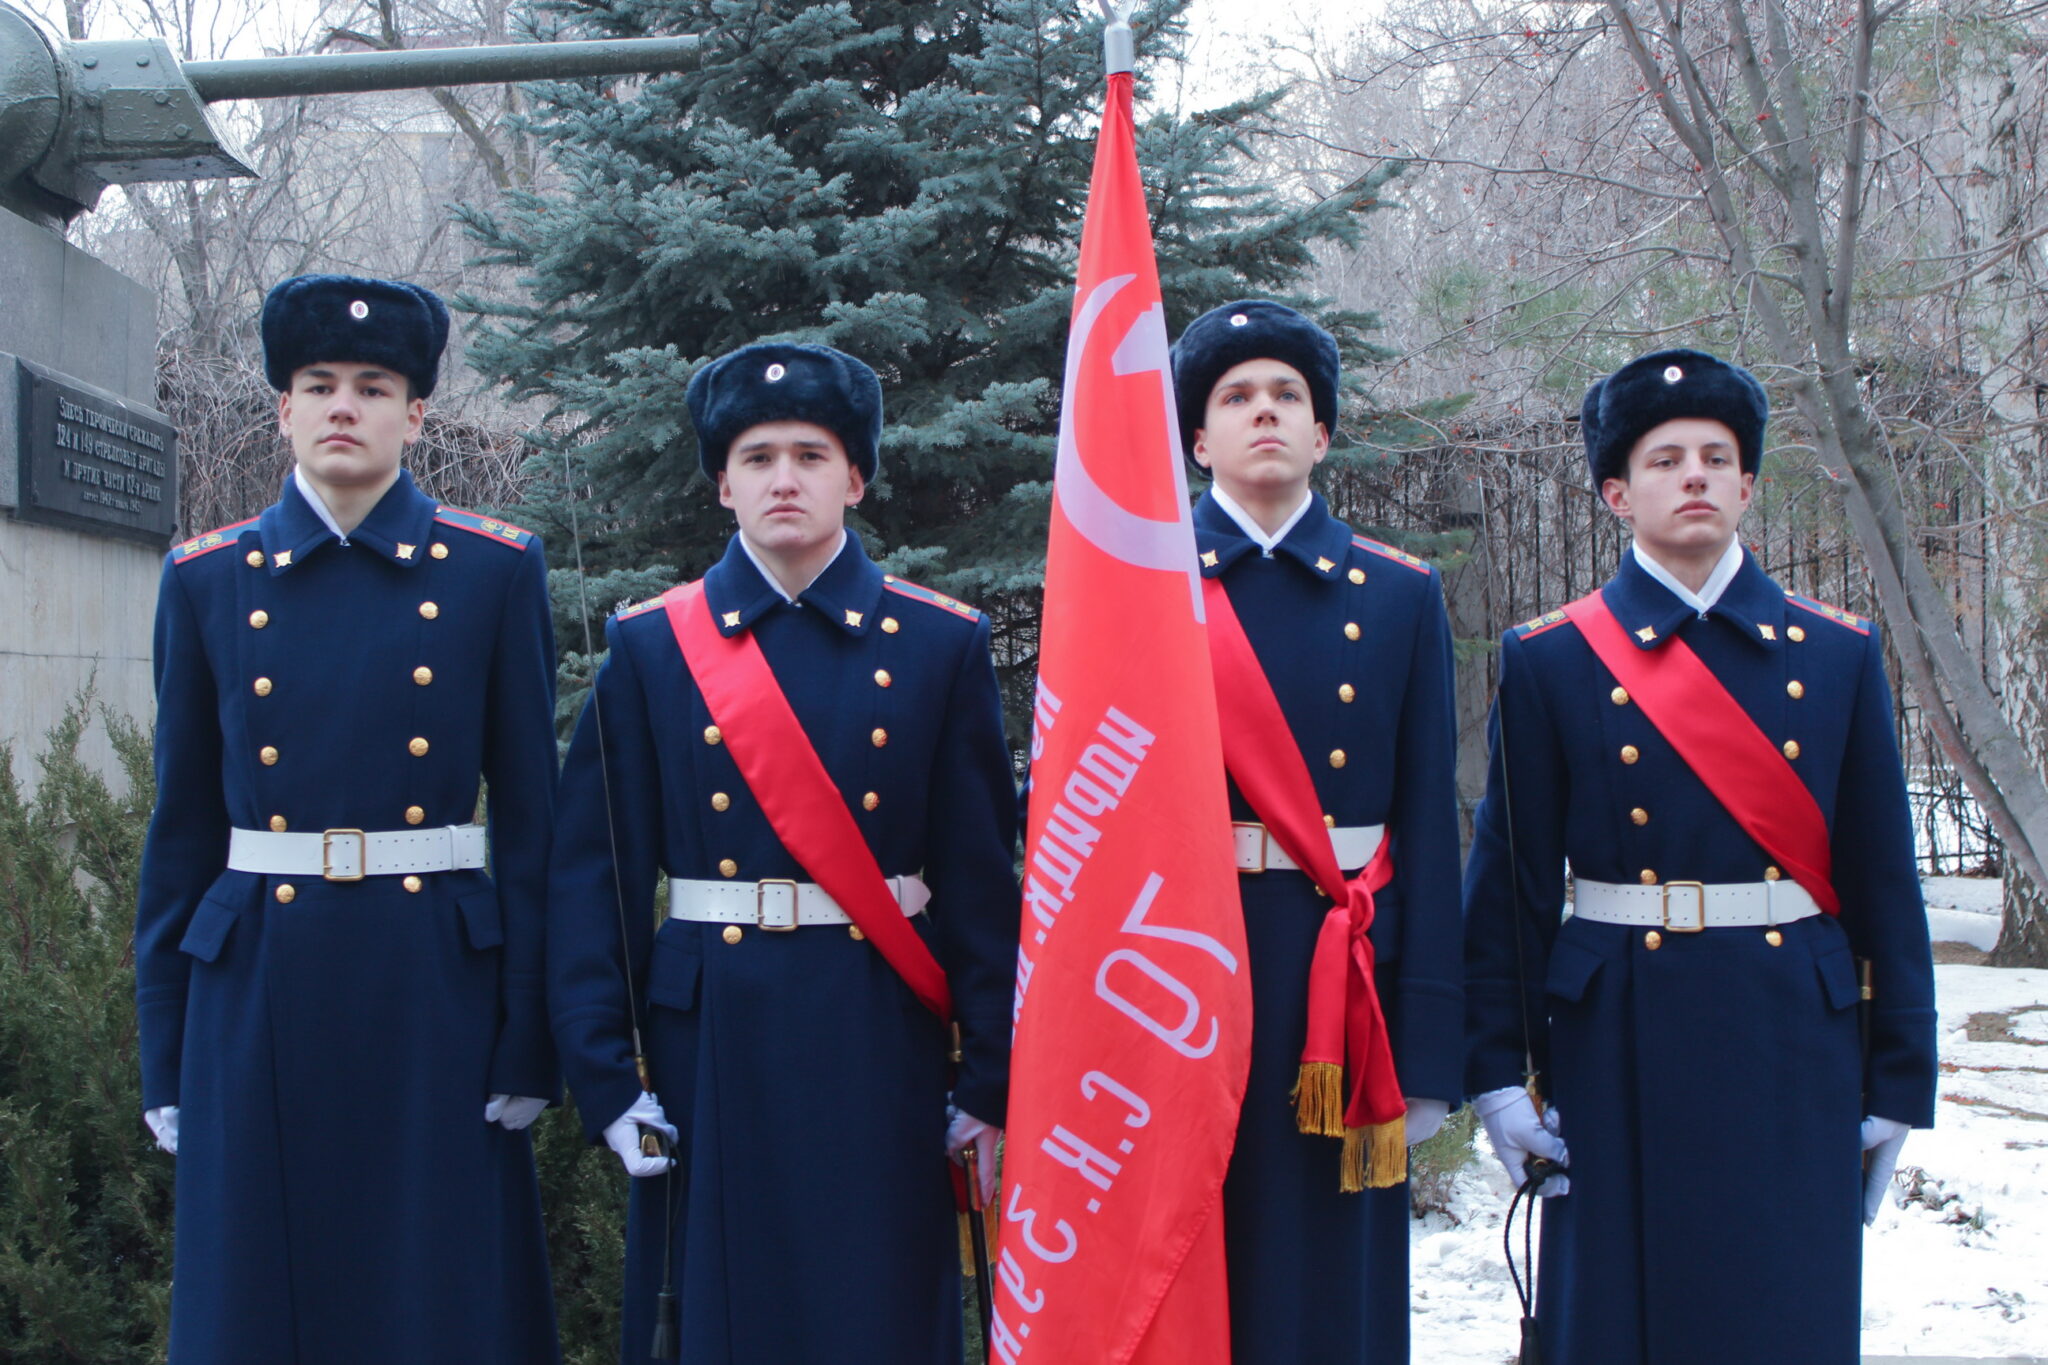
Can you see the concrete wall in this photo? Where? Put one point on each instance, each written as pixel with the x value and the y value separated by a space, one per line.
pixel 73 606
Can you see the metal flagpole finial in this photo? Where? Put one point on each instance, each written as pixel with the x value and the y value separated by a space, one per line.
pixel 1119 50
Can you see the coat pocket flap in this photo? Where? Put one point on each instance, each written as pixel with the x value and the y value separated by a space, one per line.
pixel 208 931
pixel 672 971
pixel 1572 968
pixel 1838 978
pixel 482 917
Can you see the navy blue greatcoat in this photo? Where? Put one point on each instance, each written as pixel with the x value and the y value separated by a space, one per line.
pixel 330 1046
pixel 812 1210
pixel 1353 637
pixel 1710 1086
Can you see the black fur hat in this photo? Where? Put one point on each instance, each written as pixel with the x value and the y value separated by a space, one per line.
pixel 1251 329
pixel 316 319
pixel 1663 385
pixel 782 381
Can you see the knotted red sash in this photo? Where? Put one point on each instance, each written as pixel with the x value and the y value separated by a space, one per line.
pixel 803 805
pixel 1345 1022
pixel 1735 760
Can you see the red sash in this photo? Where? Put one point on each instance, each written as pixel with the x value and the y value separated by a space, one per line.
pixel 1345 1022
pixel 802 803
pixel 1720 743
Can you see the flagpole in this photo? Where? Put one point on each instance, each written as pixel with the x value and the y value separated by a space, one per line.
pixel 1119 48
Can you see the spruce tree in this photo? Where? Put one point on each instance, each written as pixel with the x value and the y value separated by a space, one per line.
pixel 902 180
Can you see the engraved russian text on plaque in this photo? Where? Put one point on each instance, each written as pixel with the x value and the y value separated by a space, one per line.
pixel 94 462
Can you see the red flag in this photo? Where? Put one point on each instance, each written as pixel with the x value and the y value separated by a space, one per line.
pixel 1133 1031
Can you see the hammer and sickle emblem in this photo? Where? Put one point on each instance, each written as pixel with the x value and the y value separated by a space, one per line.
pixel 1141 542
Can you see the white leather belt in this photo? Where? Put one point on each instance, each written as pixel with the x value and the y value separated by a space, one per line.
pixel 1688 907
pixel 1258 850
pixel 778 903
pixel 349 855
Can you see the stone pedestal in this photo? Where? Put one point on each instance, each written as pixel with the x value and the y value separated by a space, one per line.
pixel 74 605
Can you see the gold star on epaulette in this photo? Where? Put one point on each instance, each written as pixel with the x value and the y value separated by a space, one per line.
pixel 405 550
pixel 731 619
pixel 852 617
pixel 1208 559
pixel 283 559
pixel 1768 632
pixel 1324 565
pixel 1647 634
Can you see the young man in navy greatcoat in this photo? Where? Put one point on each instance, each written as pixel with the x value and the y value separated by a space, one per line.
pixel 343 1013
pixel 1713 757
pixel 1352 638
pixel 809 753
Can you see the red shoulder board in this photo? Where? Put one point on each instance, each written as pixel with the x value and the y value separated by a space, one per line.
pixel 926 595
pixel 488 528
pixel 188 550
pixel 1374 547
pixel 1835 614
pixel 1549 620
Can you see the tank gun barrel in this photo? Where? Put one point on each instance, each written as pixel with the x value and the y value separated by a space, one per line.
pixel 343 73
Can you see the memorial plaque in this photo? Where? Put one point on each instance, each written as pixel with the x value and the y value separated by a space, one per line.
pixel 94 462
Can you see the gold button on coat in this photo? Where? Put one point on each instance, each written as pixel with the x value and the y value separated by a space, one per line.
pixel 728 868
pixel 879 737
pixel 713 735
pixel 1619 696
pixel 413 884
pixel 1356 575
pixel 720 801
pixel 423 675
pixel 1653 940
pixel 1337 759
pixel 285 892
pixel 882 678
pixel 1791 748
pixel 1640 816
pixel 1773 937
pixel 1329 822
pixel 870 801
pixel 1796 632
pixel 1351 630
pixel 259 618
pixel 1629 753
pixel 415 814
pixel 438 550
pixel 255 558
pixel 889 626
pixel 277 824
pixel 1647 877
pixel 1772 874
pixel 731 933
pixel 262 687
pixel 1795 689
pixel 268 753
pixel 853 932
pixel 1346 692
pixel 418 747
pixel 429 610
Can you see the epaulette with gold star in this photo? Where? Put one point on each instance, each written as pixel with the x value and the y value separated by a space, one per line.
pixel 1384 551
pixel 1536 625
pixel 184 552
pixel 489 528
pixel 1835 614
pixel 926 595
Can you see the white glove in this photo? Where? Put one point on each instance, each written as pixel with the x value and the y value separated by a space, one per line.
pixel 623 1136
pixel 1424 1118
pixel 1518 1132
pixel 513 1111
pixel 962 1129
pixel 163 1123
pixel 1882 1138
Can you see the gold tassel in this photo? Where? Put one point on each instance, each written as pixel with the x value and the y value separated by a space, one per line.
pixel 1319 1099
pixel 966 1245
pixel 1375 1157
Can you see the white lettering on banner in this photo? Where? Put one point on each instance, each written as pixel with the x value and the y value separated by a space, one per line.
pixel 1141 1112
pixel 1095 1166
pixel 1045 709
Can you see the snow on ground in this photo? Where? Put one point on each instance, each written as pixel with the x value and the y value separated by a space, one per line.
pixel 1960 1270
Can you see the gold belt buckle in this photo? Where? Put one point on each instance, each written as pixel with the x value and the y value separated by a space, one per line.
pixel 761 904
pixel 1249 824
pixel 1699 907
pixel 327 838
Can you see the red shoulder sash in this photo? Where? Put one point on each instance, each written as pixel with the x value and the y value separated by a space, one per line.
pixel 1715 737
pixel 802 803
pixel 1345 1021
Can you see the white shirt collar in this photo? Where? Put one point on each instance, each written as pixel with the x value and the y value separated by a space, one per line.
pixel 318 504
pixel 1251 528
pixel 1710 592
pixel 777 583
